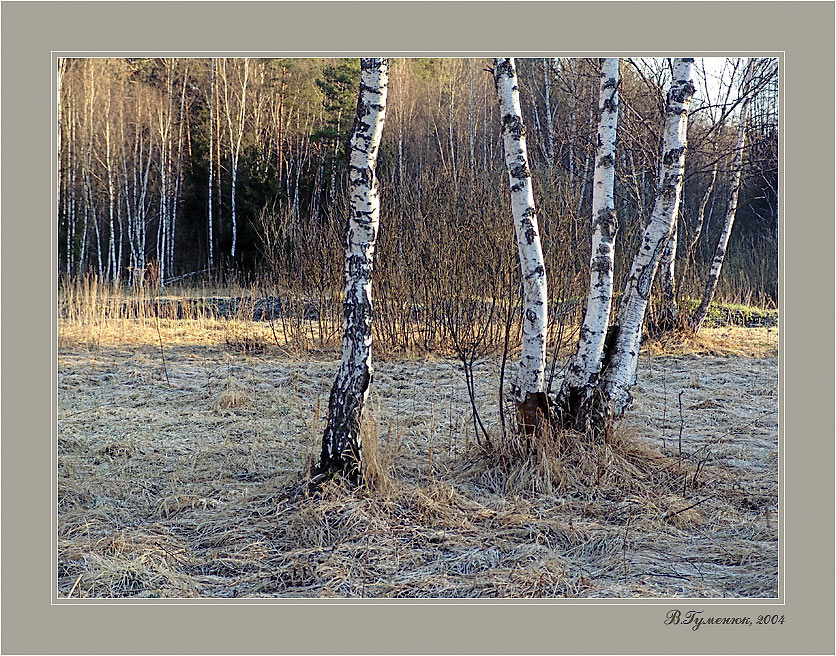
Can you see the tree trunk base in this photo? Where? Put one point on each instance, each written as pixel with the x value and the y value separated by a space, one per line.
pixel 584 411
pixel 348 467
pixel 533 414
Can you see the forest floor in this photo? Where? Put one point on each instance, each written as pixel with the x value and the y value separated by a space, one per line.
pixel 173 465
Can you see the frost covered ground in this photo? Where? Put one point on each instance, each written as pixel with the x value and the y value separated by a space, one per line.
pixel 173 465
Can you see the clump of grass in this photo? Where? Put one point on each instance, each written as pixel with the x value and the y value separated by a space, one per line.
pixel 564 461
pixel 234 396
pixel 131 563
pixel 379 460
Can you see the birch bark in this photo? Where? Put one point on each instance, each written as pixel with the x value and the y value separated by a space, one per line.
pixel 701 212
pixel 669 312
pixel 73 166
pixel 582 375
pixel 236 133
pixel 111 197
pixel 126 189
pixel 737 174
pixel 620 373
pixel 341 442
pixel 59 174
pixel 178 172
pixel 211 163
pixel 548 76
pixel 529 390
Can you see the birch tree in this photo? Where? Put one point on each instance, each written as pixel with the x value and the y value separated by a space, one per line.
pixel 59 127
pixel 341 442
pixel 548 77
pixel 529 391
pixel 736 174
pixel 669 311
pixel 701 212
pixel 619 374
pixel 574 399
pixel 112 272
pixel 164 128
pixel 235 104
pixel 211 163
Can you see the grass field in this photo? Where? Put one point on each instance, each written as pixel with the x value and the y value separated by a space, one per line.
pixel 179 440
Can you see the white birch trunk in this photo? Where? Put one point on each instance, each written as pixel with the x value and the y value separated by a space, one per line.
pixel 548 75
pixel 217 159
pixel 98 243
pixel 341 442
pixel 128 209
pixel 236 133
pixel 121 248
pixel 211 163
pixel 163 220
pixel 88 171
pixel 472 124
pixel 177 174
pixel 333 187
pixel 450 133
pixel 620 374
pixel 485 131
pixel 573 129
pixel 82 256
pixel 72 195
pixel 400 161
pixel 723 242
pixel 586 364
pixel 164 129
pixel 701 212
pixel 530 385
pixel 141 212
pixel 122 192
pixel 585 175
pixel 111 256
pixel 131 197
pixel 59 176
pixel 667 282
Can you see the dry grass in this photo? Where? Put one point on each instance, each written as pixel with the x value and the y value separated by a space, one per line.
pixel 173 480
pixel 757 342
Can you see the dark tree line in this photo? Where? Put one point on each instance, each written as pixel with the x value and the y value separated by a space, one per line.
pixel 165 164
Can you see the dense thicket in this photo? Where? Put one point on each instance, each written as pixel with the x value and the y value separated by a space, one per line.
pixel 164 164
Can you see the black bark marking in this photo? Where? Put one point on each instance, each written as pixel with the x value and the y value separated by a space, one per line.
pixel 606 161
pixel 530 235
pixel 503 67
pixel 681 93
pixel 644 279
pixel 601 265
pixel 519 171
pixel 607 221
pixel 609 346
pixel 673 155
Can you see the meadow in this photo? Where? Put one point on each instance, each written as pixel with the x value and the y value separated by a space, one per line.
pixel 184 440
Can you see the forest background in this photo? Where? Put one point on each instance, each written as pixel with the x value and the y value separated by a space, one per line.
pixel 234 170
